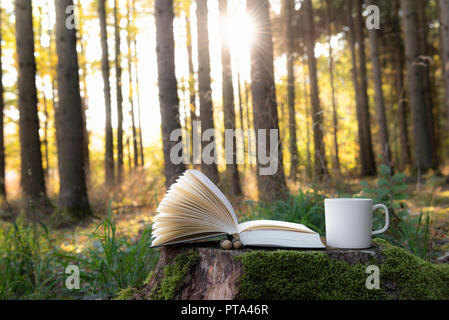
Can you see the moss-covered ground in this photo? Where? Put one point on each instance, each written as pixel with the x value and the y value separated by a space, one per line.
pixel 284 274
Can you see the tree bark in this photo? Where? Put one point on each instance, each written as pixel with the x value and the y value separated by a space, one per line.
pixel 416 73
pixel 334 101
pixel 369 168
pixel 444 31
pixel 192 91
pixel 131 84
pixel 109 139
pixel 228 102
pixel 168 87
pixel 32 173
pixel 205 92
pixel 289 11
pixel 265 114
pixel 398 58
pixel 84 97
pixel 69 118
pixel 119 95
pixel 320 166
pixel 365 150
pixel 432 112
pixel 379 96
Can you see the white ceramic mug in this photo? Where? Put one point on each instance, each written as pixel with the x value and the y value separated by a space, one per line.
pixel 349 222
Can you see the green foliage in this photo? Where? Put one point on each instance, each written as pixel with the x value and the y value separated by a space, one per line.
pixel 173 276
pixel 126 294
pixel 33 266
pixel 113 263
pixel 407 231
pixel 28 266
pixel 305 208
pixel 286 274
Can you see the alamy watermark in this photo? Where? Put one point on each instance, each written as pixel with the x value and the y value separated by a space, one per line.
pixel 214 152
pixel 373 280
pixel 72 282
pixel 372 14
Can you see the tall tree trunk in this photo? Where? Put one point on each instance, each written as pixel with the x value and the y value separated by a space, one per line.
pixel 205 92
pixel 192 92
pixel 370 165
pixel 119 96
pixel 44 101
pixel 379 96
pixel 397 54
pixel 32 173
pixel 331 72
pixel 228 102
pixel 265 114
pixel 444 32
pixel 69 118
pixel 289 11
pixel 242 126
pixel 168 87
pixel 109 139
pixel 2 107
pixel 317 113
pixel 139 114
pixel 365 148
pixel 431 111
pixel 307 109
pixel 131 84
pixel 416 73
pixel 84 97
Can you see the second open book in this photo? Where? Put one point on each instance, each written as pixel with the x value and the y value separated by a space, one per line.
pixel 194 208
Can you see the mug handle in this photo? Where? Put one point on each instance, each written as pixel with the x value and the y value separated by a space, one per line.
pixel 387 218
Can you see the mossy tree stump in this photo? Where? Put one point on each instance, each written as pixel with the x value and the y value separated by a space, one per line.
pixel 205 271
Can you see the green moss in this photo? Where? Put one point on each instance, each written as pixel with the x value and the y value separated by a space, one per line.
pixel 284 274
pixel 173 276
pixel 126 294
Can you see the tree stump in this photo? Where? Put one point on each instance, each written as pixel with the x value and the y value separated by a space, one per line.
pixel 205 271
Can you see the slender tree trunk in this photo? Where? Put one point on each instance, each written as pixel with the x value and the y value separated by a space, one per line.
pixel 139 114
pixel 242 126
pixel 379 96
pixel 431 111
pixel 69 117
pixel 84 97
pixel 168 87
pixel 366 145
pixel 44 102
pixel 265 115
pixel 317 113
pixel 444 32
pixel 334 102
pixel 2 107
pixel 365 148
pixel 192 91
pixel 119 96
pixel 131 84
pixel 205 92
pixel 289 11
pixel 416 73
pixel 307 109
pixel 32 173
pixel 229 103
pixel 109 140
pixel 406 157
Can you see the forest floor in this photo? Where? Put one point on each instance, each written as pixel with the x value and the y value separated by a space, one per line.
pixel 134 206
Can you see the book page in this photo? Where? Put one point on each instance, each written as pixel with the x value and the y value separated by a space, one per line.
pixel 192 208
pixel 273 225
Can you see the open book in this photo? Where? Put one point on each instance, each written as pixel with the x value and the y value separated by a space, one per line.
pixel 194 208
